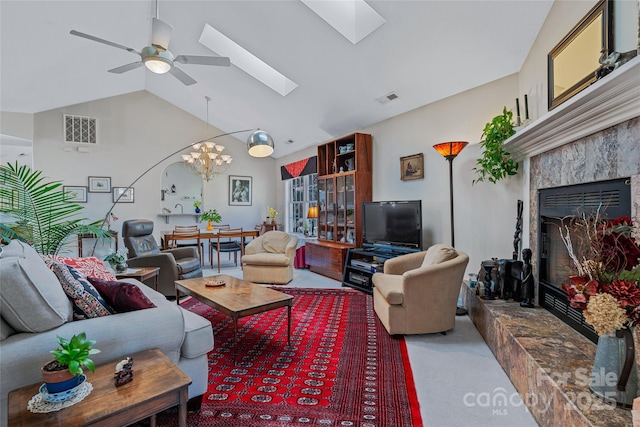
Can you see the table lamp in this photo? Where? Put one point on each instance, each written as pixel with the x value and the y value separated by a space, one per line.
pixel 312 214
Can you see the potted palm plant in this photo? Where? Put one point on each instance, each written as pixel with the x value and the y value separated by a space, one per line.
pixel 211 216
pixel 71 357
pixel 39 212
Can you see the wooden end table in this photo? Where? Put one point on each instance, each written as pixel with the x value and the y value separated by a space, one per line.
pixel 158 384
pixel 141 274
pixel 237 298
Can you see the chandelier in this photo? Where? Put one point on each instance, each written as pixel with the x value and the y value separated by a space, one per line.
pixel 207 159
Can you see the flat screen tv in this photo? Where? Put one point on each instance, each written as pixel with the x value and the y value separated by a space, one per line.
pixel 392 225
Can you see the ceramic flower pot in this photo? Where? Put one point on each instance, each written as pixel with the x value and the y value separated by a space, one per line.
pixel 60 380
pixel 121 267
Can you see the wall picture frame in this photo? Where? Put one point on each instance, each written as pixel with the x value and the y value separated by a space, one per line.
pixel 240 190
pixel 126 192
pixel 75 193
pixel 100 184
pixel 412 167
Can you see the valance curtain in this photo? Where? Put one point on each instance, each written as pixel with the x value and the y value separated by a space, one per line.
pixel 300 168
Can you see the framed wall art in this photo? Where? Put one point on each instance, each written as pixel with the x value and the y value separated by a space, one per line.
pixel 76 194
pixel 126 192
pixel 239 190
pixel 99 184
pixel 412 167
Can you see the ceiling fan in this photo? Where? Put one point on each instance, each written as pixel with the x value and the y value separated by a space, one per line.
pixel 157 57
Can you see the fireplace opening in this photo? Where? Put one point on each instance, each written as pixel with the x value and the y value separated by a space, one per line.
pixel 612 198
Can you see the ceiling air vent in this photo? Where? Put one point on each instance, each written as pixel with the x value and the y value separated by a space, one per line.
pixel 386 98
pixel 80 130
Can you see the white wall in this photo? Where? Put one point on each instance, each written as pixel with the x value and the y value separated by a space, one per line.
pixel 135 131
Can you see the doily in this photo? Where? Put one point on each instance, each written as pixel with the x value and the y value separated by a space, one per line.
pixel 39 406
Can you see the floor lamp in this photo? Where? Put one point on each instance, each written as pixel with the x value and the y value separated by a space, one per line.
pixel 449 151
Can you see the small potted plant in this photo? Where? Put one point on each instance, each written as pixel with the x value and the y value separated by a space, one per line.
pixel 496 163
pixel 211 216
pixel 197 205
pixel 71 357
pixel 117 260
pixel 273 214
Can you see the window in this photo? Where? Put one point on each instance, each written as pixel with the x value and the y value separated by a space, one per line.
pixel 303 192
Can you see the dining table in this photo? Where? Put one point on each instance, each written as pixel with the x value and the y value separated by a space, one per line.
pixel 169 236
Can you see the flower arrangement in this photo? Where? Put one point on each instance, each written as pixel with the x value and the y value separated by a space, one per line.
pixel 115 258
pixel 211 215
pixel 273 214
pixel 607 284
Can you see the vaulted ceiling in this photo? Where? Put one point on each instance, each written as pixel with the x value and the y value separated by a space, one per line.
pixel 425 51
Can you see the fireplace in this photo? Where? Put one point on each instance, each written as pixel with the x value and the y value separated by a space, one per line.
pixel 612 198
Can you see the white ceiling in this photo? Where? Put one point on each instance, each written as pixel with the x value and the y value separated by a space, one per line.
pixel 426 51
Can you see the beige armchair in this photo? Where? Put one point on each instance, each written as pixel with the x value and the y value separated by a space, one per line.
pixel 269 258
pixel 418 292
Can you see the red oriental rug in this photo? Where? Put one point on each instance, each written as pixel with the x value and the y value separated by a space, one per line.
pixel 342 369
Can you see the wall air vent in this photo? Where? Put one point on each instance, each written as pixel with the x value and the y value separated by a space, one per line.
pixel 80 130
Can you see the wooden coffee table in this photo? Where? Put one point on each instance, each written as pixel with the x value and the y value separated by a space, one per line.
pixel 158 384
pixel 237 299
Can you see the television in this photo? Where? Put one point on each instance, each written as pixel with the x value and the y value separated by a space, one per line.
pixel 393 225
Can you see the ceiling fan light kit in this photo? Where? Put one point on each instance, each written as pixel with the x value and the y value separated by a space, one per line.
pixel 156 61
pixel 260 144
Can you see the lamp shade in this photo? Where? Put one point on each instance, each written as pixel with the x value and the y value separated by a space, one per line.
pixel 450 149
pixel 260 144
pixel 313 212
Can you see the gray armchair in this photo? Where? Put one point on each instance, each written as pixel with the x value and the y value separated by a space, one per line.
pixel 175 264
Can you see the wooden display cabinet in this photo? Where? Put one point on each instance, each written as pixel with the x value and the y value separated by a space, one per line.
pixel 344 182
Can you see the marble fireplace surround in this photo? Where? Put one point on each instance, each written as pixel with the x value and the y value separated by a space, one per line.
pixel 594 136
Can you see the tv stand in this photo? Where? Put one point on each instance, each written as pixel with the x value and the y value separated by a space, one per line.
pixel 362 263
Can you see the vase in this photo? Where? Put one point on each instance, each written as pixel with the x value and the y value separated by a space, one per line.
pixel 615 375
pixel 197 210
pixel 121 267
pixel 209 225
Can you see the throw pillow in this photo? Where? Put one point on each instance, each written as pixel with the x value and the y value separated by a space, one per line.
pixel 122 296
pixel 31 299
pixel 87 301
pixel 438 253
pixel 87 266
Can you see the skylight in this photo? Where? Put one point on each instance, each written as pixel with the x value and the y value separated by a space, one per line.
pixel 245 60
pixel 354 19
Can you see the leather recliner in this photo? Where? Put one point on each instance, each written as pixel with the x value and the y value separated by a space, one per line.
pixel 175 264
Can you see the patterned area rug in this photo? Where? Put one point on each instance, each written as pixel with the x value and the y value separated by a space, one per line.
pixel 342 368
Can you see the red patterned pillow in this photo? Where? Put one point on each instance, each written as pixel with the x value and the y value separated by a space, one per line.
pixel 87 301
pixel 87 266
pixel 122 296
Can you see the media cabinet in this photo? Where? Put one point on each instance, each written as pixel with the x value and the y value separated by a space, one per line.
pixel 362 263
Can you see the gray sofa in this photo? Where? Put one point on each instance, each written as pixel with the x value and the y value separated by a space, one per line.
pixel 34 309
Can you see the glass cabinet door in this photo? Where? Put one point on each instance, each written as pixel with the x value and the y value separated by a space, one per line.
pixel 331 208
pixel 350 209
pixel 322 204
pixel 340 210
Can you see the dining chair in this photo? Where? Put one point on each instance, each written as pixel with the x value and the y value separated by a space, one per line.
pixel 186 235
pixel 224 242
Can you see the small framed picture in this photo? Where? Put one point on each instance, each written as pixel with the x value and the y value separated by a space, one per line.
pixel 100 184
pixel 76 194
pixel 122 194
pixel 239 190
pixel 412 167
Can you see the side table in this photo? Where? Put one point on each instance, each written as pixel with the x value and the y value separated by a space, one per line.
pixel 158 384
pixel 141 274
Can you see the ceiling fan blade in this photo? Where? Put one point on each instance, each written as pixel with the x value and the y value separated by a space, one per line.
pixel 222 61
pixel 160 34
pixel 125 68
pixel 182 76
pixel 99 40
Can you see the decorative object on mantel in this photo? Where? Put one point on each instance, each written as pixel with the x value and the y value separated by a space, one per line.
pixel 211 216
pixel 607 289
pixel 496 162
pixel 528 283
pixel 613 61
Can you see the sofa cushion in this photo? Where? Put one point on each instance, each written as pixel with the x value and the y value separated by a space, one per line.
pixel 87 266
pixel 198 338
pixel 438 253
pixel 31 299
pixel 122 296
pixel 87 301
pixel 275 241
pixel 5 330
pixel 266 259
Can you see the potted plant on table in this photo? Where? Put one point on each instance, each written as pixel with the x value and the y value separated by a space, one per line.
pixel 197 205
pixel 211 216
pixel 118 260
pixel 496 163
pixel 71 357
pixel 273 214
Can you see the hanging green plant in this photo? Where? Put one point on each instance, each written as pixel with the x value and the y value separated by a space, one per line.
pixel 496 163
